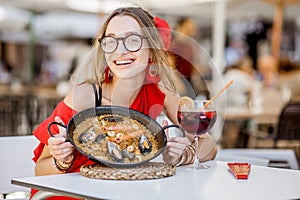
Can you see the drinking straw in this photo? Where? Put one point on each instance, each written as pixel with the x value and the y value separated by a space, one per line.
pixel 214 97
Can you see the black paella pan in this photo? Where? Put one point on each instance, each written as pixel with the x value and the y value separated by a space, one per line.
pixel 114 112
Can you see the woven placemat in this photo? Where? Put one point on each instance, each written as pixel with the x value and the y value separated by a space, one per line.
pixel 151 170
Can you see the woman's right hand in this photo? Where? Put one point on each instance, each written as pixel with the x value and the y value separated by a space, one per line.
pixel 58 147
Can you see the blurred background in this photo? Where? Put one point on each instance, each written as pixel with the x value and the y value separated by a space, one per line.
pixel 256 43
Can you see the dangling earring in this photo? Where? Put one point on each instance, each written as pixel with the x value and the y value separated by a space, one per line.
pixel 151 72
pixel 107 75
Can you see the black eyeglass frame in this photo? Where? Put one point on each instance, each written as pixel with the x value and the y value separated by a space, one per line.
pixel 117 39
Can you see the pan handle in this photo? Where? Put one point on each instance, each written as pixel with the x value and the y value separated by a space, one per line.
pixel 55 123
pixel 175 126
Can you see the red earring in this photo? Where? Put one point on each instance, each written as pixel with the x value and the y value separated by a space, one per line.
pixel 151 73
pixel 107 75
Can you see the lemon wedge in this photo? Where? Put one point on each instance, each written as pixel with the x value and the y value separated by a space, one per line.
pixel 186 103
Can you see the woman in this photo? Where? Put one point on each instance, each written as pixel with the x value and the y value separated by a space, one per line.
pixel 128 62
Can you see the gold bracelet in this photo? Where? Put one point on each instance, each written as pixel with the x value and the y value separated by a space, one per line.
pixel 189 156
pixel 182 160
pixel 193 151
pixel 177 161
pixel 189 151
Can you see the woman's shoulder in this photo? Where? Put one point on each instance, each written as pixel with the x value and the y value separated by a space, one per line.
pixel 170 95
pixel 167 91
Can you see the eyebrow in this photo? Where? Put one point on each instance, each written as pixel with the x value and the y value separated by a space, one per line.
pixel 127 33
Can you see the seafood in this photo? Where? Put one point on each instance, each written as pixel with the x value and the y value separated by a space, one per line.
pixel 115 152
pixel 122 127
pixel 111 118
pixel 129 155
pixel 145 145
pixel 87 136
pixel 126 137
pixel 115 138
pixel 99 138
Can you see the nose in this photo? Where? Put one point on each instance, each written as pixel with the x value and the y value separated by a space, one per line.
pixel 121 47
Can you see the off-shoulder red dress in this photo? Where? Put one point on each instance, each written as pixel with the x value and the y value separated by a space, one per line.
pixel 150 101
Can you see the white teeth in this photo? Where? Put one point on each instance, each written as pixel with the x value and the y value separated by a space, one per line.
pixel 123 62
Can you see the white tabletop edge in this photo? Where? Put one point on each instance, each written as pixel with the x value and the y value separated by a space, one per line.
pixel 215 183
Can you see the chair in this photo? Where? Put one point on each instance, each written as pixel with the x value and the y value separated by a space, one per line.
pixel 16 154
pixel 285 134
pixel 287 127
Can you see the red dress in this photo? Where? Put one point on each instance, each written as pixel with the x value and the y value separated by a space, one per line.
pixel 150 101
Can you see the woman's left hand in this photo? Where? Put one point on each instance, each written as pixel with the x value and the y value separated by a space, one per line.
pixel 174 148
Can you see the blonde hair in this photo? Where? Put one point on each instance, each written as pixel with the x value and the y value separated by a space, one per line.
pixel 92 69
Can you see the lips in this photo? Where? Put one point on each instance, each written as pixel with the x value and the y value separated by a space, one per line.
pixel 124 62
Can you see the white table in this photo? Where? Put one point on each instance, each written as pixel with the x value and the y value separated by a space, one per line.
pixel 214 183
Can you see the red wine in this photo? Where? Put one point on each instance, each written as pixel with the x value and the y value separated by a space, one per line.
pixel 197 123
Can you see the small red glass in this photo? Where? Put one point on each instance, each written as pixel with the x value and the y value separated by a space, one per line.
pixel 197 120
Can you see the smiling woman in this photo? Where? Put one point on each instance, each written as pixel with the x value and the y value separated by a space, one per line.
pixel 128 66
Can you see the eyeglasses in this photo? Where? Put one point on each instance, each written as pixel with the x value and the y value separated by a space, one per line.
pixel 131 43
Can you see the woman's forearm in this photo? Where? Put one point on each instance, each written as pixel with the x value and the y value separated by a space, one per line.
pixel 45 166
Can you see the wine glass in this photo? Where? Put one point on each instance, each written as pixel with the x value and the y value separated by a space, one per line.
pixel 197 117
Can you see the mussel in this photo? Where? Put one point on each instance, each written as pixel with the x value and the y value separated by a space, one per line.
pixel 115 152
pixel 145 145
pixel 129 155
pixel 99 138
pixel 88 136
pixel 113 118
